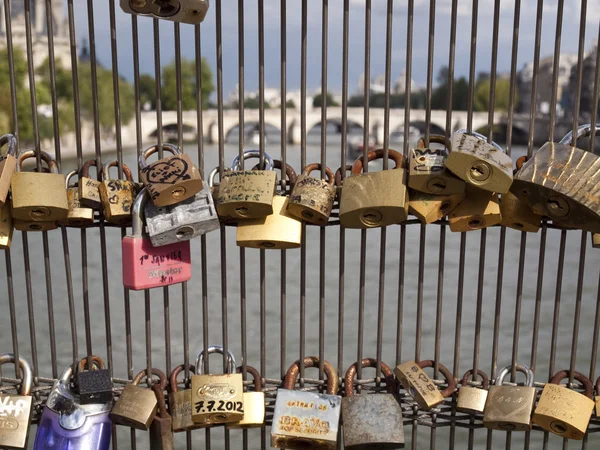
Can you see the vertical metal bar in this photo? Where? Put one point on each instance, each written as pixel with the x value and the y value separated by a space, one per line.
pixel 580 56
pixel 11 306
pixel 283 82
pixel 472 61
pixel 303 67
pixel 429 86
pixel 555 72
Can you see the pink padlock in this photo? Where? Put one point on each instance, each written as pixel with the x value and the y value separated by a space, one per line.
pixel 145 266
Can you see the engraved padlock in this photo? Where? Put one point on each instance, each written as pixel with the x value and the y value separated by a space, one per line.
pixel 254 403
pixel 472 399
pixel 217 398
pixel 146 266
pixel 480 209
pixel 480 163
pixel 89 189
pixel 161 428
pixel 375 199
pixel 429 208
pixel 95 384
pixel 515 212
pixel 372 421
pixel 563 411
pixel 509 408
pixel 6 225
pixel 8 165
pixel 79 216
pixel 422 388
pixel 15 410
pixel 306 419
pixel 180 402
pixel 117 195
pixel 172 179
pixel 312 198
pixel 183 11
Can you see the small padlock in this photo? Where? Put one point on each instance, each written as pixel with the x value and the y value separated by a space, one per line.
pixel 180 402
pixel 15 410
pixel 146 266
pixel 137 406
pixel 27 225
pixel 172 179
pixel 117 195
pixel 183 11
pixel 509 408
pixel 8 165
pixel 312 198
pixel 6 225
pixel 306 419
pixel 596 240
pixel 79 216
pixel 254 403
pixel 39 197
pixel 94 385
pixel 480 163
pixel 89 189
pixel 429 208
pixel 374 199
pixel 214 190
pixel 480 209
pixel 427 169
pixel 563 411
pixel 471 399
pixel 515 212
pixel 372 421
pixel 422 388
pixel 217 399
pixel 161 428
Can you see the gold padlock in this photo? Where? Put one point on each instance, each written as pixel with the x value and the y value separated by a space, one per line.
pixel 254 403
pixel 374 199
pixel 472 399
pixel 480 209
pixel 117 195
pixel 312 198
pixel 563 411
pixel 16 409
pixel 596 240
pixel 422 388
pixel 180 402
pixel 516 213
pixel 429 208
pixel 427 169
pixel 509 408
pixel 78 216
pixel 8 165
pixel 89 189
pixel 6 225
pixel 27 225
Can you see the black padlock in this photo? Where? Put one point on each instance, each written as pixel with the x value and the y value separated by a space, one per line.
pixel 94 385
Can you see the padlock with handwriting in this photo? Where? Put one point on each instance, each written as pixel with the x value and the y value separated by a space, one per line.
pixel 89 189
pixel 312 198
pixel 137 405
pixel 15 410
pixel 422 388
pixel 78 215
pixel 117 195
pixel 183 11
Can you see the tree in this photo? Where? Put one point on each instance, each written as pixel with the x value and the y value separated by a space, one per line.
pixel 318 100
pixel 290 104
pixel 460 92
pixel 188 85
pixel 502 93
pixel 147 85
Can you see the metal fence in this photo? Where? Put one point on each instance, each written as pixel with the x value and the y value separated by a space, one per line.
pixel 481 299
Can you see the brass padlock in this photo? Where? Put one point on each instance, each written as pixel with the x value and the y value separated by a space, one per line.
pixel 180 402
pixel 509 408
pixel 422 388
pixel 429 208
pixel 312 198
pixel 39 197
pixel 480 209
pixel 27 225
pixel 79 216
pixel 247 194
pixel 89 189
pixel 117 196
pixel 214 190
pixel 306 419
pixel 254 403
pixel 374 199
pixel 472 399
pixel 137 406
pixel 172 179
pixel 15 410
pixel 480 163
pixel 8 165
pixel 427 169
pixel 217 399
pixel 161 428
pixel 515 212
pixel 596 240
pixel 372 421
pixel 6 225
pixel 563 411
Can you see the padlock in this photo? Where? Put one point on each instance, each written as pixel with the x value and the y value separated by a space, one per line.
pixel 247 194
pixel 254 403
pixel 172 179
pixel 161 428
pixel 214 190
pixel 94 385
pixel 217 399
pixel 180 403
pixel 117 195
pixel 480 163
pixel 15 410
pixel 427 169
pixel 374 199
pixel 146 266
pixel 472 399
pixel 339 181
pixel 560 182
pixel 8 165
pixel 372 421
pixel 39 197
pixel 66 424
pixel 27 225
pixel 429 208
pixel 596 240
pixel 78 216
pixel 480 209
pixel 6 225
pixel 312 198
pixel 137 406
pixel 515 212
pixel 422 388
pixel 183 11
pixel 509 408
pixel 563 411
pixel 89 189
pixel 279 230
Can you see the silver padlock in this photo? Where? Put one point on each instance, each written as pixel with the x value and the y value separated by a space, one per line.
pixel 184 11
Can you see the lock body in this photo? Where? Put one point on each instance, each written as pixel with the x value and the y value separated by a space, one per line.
pixel 95 386
pixel 429 208
pixel 39 197
pixel 8 164
pixel 428 173
pixel 418 384
pixel 217 398
pixel 517 214
pixel 471 399
pixel 6 225
pixel 117 201
pixel 15 415
pixel 480 209
pixel 180 406
pixel 254 411
pixel 27 225
pixel 89 193
pixel 184 11
pixel 161 434
pixel 596 240
pixel 78 215
pixel 312 200
pixel 509 408
pixel 135 408
pixel 246 194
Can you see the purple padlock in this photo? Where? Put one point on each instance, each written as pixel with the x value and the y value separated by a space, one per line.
pixel 67 425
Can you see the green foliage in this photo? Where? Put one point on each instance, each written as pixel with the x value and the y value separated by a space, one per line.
pixel 290 104
pixel 482 95
pixel 318 100
pixel 147 86
pixel 188 85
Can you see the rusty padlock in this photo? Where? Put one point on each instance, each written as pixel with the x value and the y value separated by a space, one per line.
pixel 422 388
pixel 312 198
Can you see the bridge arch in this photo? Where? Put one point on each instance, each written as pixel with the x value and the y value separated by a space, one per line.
pixel 519 135
pixel 272 128
pixel 336 122
pixel 170 132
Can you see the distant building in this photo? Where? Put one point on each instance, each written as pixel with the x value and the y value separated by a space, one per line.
pixel 587 85
pixel 272 96
pixel 400 84
pixel 378 84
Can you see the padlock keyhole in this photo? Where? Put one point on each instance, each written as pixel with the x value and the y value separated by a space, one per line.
pixel 475 223
pixel 184 232
pixel 267 244
pixel 446 204
pixel 242 210
pixel 307 214
pixel 518 225
pixel 558 427
pixel 557 206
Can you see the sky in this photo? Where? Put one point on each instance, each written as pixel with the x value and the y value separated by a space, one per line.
pixel 272 24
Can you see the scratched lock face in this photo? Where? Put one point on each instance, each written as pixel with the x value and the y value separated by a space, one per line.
pixel 217 398
pixel 14 420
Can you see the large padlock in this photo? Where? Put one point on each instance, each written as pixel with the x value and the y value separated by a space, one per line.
pixel 146 266
pixel 563 411
pixel 429 208
pixel 183 11
pixel 66 424
pixel 509 408
pixel 480 163
pixel 172 179
pixel 180 402
pixel 515 212
pixel 254 403
pixel 471 399
pixel 480 209
pixel 422 388
pixel 8 164
pixel 427 169
pixel 78 216
pixel 374 199
pixel 38 196
pixel 217 398
pixel 372 421
pixel 117 195
pixel 161 428
pixel 137 406
pixel 89 189
pixel 306 419
pixel 6 225
pixel 15 410
pixel 95 384
pixel 560 182
pixel 312 198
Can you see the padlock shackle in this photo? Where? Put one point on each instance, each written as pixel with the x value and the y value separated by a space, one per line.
pixel 587 384
pixel 96 361
pixel 331 179
pixel 338 174
pixel 395 156
pixel 445 372
pixel 154 149
pixel 481 137
pixel 520 161
pixel 269 163
pixel 160 398
pixel 26 372
pixel 258 386
pixel 115 163
pixel 519 368
pixel 215 349
pixel 68 177
pixel 582 131
pixel 213 174
pixel 137 221
pixel 46 157
pixel 333 384
pixel 390 382
pixel 11 140
pixel 173 377
pixel 485 381
pixel 162 378
pixel 436 139
pixel 85 169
